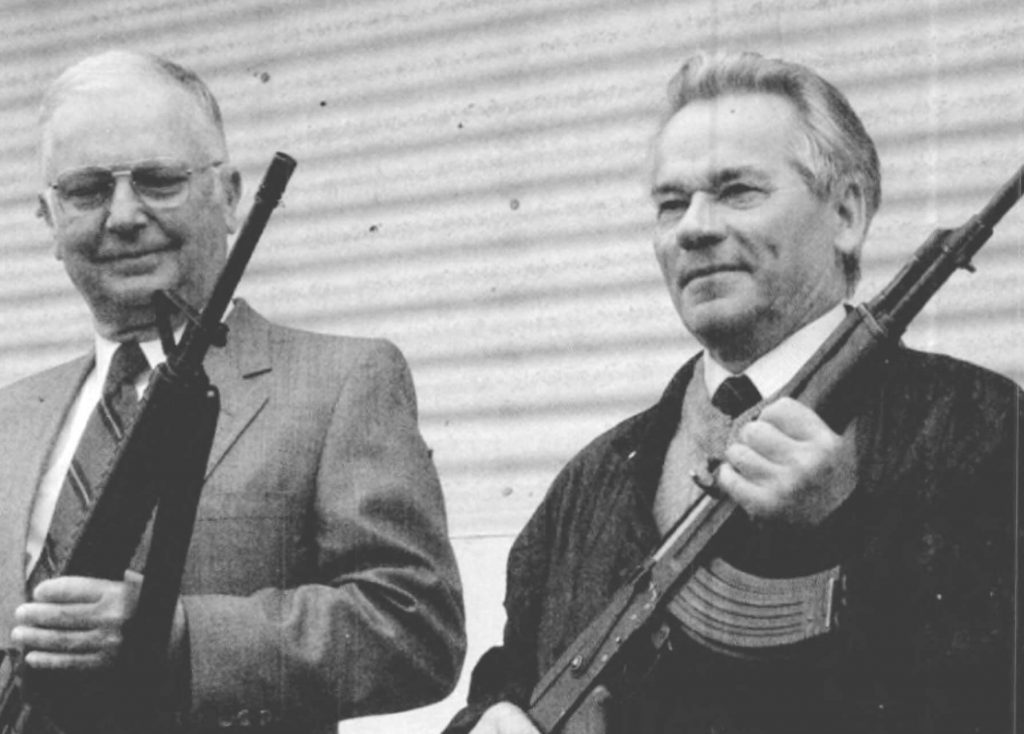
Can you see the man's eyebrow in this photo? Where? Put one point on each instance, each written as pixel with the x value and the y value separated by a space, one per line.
pixel 666 189
pixel 726 175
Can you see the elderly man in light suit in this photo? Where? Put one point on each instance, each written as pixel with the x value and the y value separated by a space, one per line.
pixel 320 583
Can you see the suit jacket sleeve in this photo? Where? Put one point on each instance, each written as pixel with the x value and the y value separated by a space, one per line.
pixel 357 605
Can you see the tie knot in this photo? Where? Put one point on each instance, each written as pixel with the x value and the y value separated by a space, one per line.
pixel 735 395
pixel 125 367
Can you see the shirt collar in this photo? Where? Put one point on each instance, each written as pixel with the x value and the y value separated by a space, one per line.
pixel 153 350
pixel 773 370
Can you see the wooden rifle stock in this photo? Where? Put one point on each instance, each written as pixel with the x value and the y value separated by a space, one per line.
pixel 160 463
pixel 632 628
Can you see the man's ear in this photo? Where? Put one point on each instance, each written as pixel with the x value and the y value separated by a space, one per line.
pixel 852 214
pixel 231 183
pixel 44 212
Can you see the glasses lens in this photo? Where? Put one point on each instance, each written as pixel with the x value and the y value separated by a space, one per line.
pixel 85 188
pixel 161 184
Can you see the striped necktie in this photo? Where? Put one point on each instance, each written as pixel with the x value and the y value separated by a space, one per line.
pixel 105 428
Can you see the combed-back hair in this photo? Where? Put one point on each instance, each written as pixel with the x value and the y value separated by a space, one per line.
pixel 837 150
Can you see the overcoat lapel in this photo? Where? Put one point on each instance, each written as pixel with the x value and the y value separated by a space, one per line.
pixel 239 371
pixel 641 455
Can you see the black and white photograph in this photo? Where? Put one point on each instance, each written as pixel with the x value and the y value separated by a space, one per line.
pixel 538 367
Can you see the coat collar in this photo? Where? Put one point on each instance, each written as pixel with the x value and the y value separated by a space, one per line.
pixel 645 441
pixel 636 457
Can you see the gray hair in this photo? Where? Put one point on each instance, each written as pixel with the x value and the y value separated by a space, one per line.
pixel 97 72
pixel 837 149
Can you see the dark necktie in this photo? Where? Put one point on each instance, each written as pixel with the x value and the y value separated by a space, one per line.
pixel 105 428
pixel 735 395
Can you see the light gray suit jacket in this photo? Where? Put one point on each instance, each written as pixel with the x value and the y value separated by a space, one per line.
pixel 320 583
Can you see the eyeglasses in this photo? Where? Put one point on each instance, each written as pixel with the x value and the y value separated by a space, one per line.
pixel 161 183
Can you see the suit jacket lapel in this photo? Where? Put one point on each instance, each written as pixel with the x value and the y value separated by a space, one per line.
pixel 238 371
pixel 40 412
pixel 36 418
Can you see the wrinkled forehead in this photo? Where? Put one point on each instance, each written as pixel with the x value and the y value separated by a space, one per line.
pixel 132 109
pixel 728 132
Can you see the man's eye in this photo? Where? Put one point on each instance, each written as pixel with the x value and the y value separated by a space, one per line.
pixel 159 180
pixel 85 187
pixel 742 195
pixel 672 207
pixel 85 190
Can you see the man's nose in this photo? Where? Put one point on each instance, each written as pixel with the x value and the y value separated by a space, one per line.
pixel 126 210
pixel 701 225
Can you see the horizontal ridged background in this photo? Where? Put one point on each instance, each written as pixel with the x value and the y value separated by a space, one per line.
pixel 472 185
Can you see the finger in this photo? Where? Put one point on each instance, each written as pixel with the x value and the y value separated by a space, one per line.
pixel 56 616
pixel 794 419
pixel 754 499
pixel 67 641
pixel 504 718
pixel 787 439
pixel 132 589
pixel 44 660
pixel 750 463
pixel 766 440
pixel 65 589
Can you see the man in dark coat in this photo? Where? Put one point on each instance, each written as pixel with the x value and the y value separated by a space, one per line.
pixel 867 585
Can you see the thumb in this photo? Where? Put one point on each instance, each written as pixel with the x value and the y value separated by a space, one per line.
pixel 133 586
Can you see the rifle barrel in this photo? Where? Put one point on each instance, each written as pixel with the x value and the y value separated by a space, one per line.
pixel 193 348
pixel 1004 199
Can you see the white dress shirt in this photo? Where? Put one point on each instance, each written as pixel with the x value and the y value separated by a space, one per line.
pixel 71 433
pixel 774 369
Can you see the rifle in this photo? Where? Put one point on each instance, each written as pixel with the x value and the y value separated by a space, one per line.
pixel 632 628
pixel 160 463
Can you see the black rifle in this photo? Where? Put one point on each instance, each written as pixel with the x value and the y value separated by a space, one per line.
pixel 160 463
pixel 631 629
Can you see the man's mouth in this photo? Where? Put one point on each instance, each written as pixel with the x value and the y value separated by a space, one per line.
pixel 135 253
pixel 693 274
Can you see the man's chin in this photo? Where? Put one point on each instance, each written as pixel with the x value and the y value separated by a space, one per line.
pixel 126 322
pixel 719 319
pixel 127 304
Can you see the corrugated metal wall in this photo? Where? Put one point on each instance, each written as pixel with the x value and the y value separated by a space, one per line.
pixel 472 186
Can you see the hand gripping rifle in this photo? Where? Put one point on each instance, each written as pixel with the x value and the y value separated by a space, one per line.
pixel 631 628
pixel 161 463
